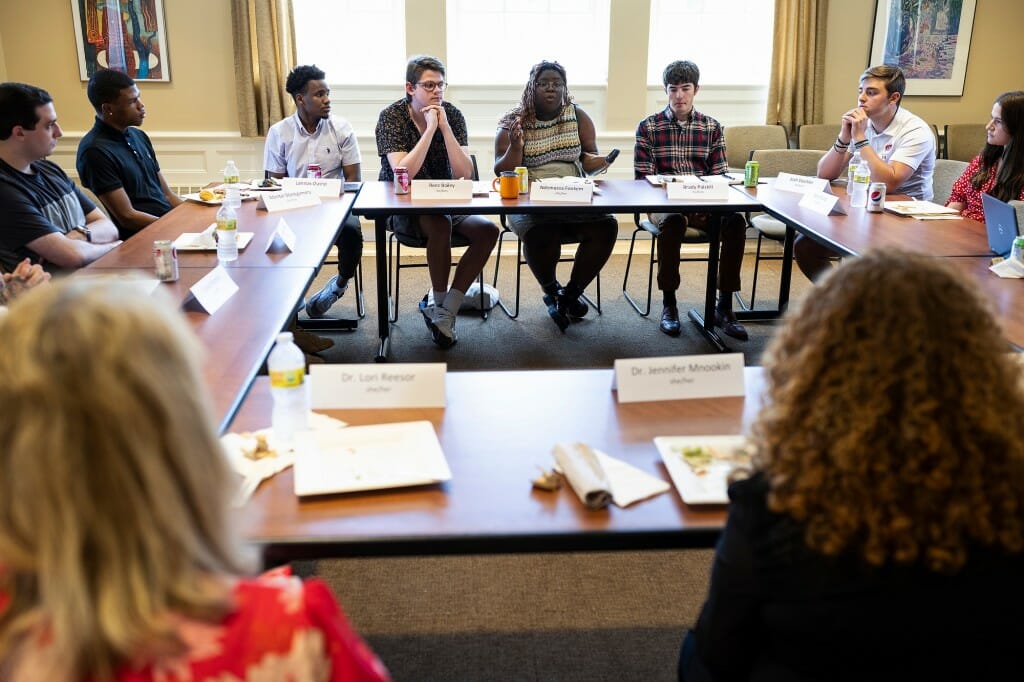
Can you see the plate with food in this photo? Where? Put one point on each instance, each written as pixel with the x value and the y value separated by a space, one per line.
pixel 700 465
pixel 214 196
pixel 265 185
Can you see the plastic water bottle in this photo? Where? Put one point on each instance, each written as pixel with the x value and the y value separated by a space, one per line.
pixel 227 233
pixel 854 162
pixel 232 192
pixel 861 180
pixel 287 367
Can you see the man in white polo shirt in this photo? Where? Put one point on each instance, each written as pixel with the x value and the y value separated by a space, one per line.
pixel 313 136
pixel 898 146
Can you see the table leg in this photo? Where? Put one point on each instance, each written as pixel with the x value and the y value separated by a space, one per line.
pixel 706 322
pixel 383 325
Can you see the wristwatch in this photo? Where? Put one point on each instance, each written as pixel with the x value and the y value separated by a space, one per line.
pixel 84 230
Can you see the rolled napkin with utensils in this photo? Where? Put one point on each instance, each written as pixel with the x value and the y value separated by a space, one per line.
pixel 579 464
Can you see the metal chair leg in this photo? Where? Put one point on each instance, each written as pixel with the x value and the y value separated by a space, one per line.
pixel 650 275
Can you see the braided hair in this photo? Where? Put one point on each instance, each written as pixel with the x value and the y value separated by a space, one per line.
pixel 527 105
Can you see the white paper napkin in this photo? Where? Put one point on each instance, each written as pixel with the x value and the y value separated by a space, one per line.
pixel 599 479
pixel 254 471
pixel 1008 268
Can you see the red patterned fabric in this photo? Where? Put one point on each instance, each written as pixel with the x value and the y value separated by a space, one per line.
pixel 964 194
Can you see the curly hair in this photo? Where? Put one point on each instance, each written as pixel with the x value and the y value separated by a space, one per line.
pixel 892 422
pixel 526 110
pixel 1010 177
pixel 300 76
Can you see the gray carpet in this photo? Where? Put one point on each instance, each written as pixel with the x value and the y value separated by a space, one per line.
pixel 531 617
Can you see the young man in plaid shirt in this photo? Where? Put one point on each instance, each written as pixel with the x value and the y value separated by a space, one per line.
pixel 682 141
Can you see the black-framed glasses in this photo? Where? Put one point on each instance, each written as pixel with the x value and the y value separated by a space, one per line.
pixel 430 86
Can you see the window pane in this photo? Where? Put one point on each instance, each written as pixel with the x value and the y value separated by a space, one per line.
pixel 359 42
pixel 496 43
pixel 729 40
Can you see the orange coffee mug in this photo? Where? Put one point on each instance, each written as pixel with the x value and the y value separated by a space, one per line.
pixel 507 185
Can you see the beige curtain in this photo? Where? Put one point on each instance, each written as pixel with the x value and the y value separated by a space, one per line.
pixel 264 47
pixel 796 90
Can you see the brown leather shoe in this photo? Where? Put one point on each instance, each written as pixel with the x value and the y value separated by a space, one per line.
pixel 730 325
pixel 670 320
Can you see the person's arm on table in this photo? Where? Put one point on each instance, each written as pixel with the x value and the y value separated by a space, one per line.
pixel 120 206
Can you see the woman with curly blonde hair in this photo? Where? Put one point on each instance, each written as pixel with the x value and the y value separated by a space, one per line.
pixel 117 560
pixel 885 512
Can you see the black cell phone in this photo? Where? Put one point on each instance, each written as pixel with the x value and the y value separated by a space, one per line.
pixel 612 155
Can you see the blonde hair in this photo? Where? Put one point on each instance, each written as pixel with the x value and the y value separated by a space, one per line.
pixel 113 488
pixel 893 422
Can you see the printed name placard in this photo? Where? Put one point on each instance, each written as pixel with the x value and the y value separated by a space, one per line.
pixel 822 203
pixel 287 199
pixel 801 184
pixel 562 191
pixel 442 189
pixel 377 385
pixel 214 289
pixel 327 188
pixel 283 234
pixel 679 377
pixel 692 188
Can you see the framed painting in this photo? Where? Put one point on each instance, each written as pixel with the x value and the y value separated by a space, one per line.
pixel 125 35
pixel 928 39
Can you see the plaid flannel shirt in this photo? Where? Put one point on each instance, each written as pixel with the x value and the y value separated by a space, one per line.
pixel 666 146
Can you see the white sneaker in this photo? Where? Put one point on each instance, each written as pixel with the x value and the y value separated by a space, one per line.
pixel 319 303
pixel 442 331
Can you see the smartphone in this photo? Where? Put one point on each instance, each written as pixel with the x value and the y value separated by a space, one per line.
pixel 612 155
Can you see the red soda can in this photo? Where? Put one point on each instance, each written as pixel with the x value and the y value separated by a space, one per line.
pixel 401 180
pixel 876 197
pixel 314 171
pixel 165 260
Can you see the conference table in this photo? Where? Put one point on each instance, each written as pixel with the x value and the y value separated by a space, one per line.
pixel 239 335
pixel 497 429
pixel 377 201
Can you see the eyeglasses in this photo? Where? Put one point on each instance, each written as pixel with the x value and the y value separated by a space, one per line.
pixel 550 85
pixel 430 86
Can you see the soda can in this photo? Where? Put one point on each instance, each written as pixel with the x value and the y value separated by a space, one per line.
pixel 876 197
pixel 165 260
pixel 401 180
pixel 524 179
pixel 750 173
pixel 314 171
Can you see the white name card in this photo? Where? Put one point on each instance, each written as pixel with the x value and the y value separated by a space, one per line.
pixel 822 203
pixel 377 385
pixel 801 184
pixel 287 199
pixel 692 188
pixel 679 377
pixel 442 189
pixel 213 290
pixel 283 234
pixel 562 191
pixel 326 188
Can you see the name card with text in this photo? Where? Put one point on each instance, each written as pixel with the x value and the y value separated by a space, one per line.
pixel 287 199
pixel 326 188
pixel 442 189
pixel 820 202
pixel 567 191
pixel 801 184
pixel 679 377
pixel 214 289
pixel 283 234
pixel 692 188
pixel 375 385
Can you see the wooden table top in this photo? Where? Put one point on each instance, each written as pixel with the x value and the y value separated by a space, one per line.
pixel 1006 296
pixel 498 427
pixel 859 230
pixel 315 228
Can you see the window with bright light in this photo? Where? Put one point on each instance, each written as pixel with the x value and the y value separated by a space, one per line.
pixel 496 43
pixel 730 41
pixel 357 42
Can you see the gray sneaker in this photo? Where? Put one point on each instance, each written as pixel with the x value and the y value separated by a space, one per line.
pixel 319 303
pixel 442 330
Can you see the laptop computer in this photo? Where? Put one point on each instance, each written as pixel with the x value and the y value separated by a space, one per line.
pixel 1000 223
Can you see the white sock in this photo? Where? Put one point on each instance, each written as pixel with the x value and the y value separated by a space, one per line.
pixel 439 298
pixel 453 301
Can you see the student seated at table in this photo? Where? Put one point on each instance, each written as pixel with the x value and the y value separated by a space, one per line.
pixel 898 147
pixel 117 558
pixel 879 535
pixel 44 216
pixel 998 170
pixel 553 137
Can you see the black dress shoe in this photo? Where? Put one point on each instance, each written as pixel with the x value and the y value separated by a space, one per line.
pixel 730 325
pixel 670 320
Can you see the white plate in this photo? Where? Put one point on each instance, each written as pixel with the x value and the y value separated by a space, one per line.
pixel 368 458
pixel 708 488
pixel 214 202
pixel 186 242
